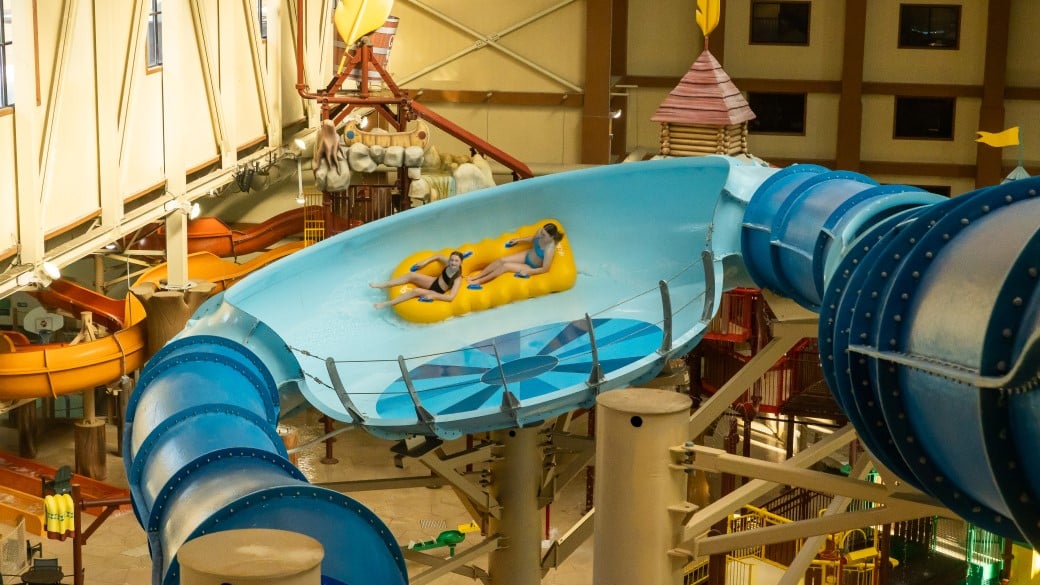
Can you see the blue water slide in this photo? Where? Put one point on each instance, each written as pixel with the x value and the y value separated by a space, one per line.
pixel 928 336
pixel 929 326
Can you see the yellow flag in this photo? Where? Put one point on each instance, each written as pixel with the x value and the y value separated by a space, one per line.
pixel 1008 137
pixel 708 12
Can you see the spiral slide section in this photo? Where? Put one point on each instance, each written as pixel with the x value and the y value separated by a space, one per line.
pixel 203 456
pixel 929 326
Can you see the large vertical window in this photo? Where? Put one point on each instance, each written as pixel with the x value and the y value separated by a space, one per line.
pixel 777 113
pixel 155 33
pixel 783 23
pixel 929 26
pixel 918 117
pixel 6 68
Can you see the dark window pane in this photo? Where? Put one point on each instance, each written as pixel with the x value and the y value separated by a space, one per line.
pixel 263 18
pixel 777 113
pixel 943 190
pixel 929 26
pixel 780 23
pixel 924 118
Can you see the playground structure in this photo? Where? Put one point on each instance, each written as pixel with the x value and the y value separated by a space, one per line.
pixel 801 231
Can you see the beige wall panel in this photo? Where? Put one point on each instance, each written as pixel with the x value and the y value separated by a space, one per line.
pixel 1025 115
pixel 821 133
pixel 641 131
pixel 884 61
pixel 423 40
pixel 663 38
pixel 538 135
pixel 471 118
pixel 1023 68
pixel 292 104
pixel 878 144
pixel 819 60
pixel 532 135
pixel 141 164
pixel 70 181
pixel 8 205
pixel 245 122
pixel 199 135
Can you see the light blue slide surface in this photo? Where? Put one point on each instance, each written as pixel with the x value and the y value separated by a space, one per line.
pixel 656 244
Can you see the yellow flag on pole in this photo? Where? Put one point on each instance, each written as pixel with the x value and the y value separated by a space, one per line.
pixel 708 12
pixel 1008 137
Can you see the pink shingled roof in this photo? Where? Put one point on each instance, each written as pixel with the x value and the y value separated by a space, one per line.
pixel 705 95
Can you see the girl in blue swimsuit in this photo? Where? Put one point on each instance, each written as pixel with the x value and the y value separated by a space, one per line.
pixel 535 260
pixel 442 287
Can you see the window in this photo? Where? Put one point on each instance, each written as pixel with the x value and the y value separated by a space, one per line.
pixel 777 113
pixel 929 26
pixel 262 12
pixel 6 68
pixel 943 190
pixel 155 34
pixel 924 118
pixel 785 23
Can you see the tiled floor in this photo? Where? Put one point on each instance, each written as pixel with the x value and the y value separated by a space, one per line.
pixel 117 553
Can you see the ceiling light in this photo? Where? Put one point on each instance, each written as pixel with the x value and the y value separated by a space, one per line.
pixel 184 206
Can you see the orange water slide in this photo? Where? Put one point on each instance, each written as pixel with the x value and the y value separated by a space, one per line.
pixel 53 369
pixel 33 371
pixel 209 234
pixel 223 273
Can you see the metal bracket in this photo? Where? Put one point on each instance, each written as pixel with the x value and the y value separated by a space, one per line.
pixel 424 416
pixel 666 325
pixel 596 375
pixel 341 392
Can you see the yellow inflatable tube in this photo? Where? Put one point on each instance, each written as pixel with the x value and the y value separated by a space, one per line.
pixel 504 289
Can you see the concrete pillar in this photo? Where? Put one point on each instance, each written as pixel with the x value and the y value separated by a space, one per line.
pixel 640 500
pixel 251 556
pixel 515 477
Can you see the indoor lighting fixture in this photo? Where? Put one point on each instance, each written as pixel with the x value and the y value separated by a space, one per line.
pixel 299 171
pixel 616 114
pixel 184 206
pixel 42 274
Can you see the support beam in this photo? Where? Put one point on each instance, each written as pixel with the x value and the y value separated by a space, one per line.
pixel 106 122
pixel 560 550
pixel 796 570
pixel 637 484
pixel 27 163
pixel 211 85
pixel 175 17
pixel 703 520
pixel 515 475
pixel 712 408
pixel 456 564
pixel 479 498
pixel 850 105
pixel 806 528
pixel 56 97
pixel 989 166
pixel 595 120
pixel 718 461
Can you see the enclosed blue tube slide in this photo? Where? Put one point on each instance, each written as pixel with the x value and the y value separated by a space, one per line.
pixel 928 333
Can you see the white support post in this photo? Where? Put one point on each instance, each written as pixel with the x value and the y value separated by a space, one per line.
pixel 27 164
pixel 106 96
pixel 175 18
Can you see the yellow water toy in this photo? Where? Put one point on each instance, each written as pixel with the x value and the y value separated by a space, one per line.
pixel 505 289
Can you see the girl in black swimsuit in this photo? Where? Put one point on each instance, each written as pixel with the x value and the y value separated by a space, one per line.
pixel 442 287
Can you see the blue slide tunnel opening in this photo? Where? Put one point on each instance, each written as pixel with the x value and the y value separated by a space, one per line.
pixel 929 326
